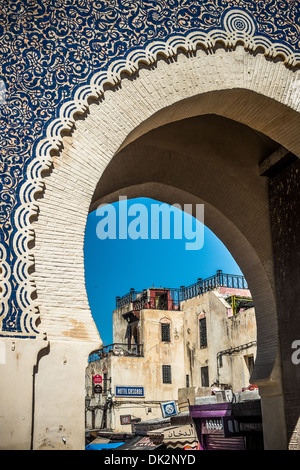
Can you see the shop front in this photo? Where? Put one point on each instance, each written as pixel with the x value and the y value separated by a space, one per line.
pixel 228 426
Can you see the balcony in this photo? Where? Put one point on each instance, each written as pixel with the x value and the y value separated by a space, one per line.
pixel 117 349
pixel 152 298
pixel 170 298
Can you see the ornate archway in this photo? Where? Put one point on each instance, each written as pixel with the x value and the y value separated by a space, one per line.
pixel 44 276
pixel 87 153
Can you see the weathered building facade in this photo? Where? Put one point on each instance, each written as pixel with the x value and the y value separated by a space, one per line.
pixel 168 350
pixel 220 342
pixel 208 94
pixel 144 366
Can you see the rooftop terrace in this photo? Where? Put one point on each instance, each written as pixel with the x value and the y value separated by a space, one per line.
pixel 170 298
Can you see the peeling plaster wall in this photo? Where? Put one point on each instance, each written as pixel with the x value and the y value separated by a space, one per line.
pixel 223 332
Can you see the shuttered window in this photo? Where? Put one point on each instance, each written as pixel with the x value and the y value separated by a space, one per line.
pixel 166 374
pixel 203 334
pixel 165 332
pixel 187 381
pixel 204 377
pixel 215 442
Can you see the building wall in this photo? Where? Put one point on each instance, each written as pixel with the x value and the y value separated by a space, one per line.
pixel 224 331
pixel 158 352
pixel 182 353
pixel 119 325
pixel 143 371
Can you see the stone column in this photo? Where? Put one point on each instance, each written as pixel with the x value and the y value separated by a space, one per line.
pixel 59 405
pixel 18 359
pixel 284 197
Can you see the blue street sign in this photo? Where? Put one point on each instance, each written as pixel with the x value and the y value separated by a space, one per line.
pixel 168 409
pixel 129 391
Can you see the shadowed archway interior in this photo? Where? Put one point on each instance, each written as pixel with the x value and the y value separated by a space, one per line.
pixel 201 146
pixel 206 159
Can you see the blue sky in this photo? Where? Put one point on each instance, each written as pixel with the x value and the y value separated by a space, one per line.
pixel 113 266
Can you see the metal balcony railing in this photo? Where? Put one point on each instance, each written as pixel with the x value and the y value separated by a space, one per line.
pixel 220 279
pixel 127 298
pixel 168 299
pixel 117 349
pixel 173 296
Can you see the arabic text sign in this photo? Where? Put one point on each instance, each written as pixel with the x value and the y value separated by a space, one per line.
pixel 129 391
pixel 181 432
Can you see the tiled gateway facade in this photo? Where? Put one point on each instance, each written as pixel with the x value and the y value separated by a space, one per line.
pixel 66 108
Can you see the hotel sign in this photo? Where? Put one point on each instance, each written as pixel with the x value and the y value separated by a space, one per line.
pixel 122 391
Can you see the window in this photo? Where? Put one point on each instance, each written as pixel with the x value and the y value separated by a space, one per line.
pixel 165 332
pixel 187 381
pixel 204 377
pixel 202 330
pixel 250 363
pixel 128 335
pixel 104 383
pixel 166 374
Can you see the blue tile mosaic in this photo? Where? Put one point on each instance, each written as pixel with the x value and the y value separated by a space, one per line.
pixel 49 48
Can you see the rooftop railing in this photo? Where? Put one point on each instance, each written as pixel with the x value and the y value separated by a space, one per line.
pixel 220 279
pixel 140 300
pixel 127 298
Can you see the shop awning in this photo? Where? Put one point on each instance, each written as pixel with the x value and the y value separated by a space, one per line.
pixel 103 446
pixel 175 437
pixel 139 443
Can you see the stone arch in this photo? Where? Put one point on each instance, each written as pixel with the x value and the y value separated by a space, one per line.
pixel 239 28
pixel 234 84
pixel 178 86
pixel 166 320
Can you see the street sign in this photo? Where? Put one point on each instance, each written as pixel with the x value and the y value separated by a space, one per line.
pixel 97 379
pixel 129 391
pixel 168 409
pixel 125 419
